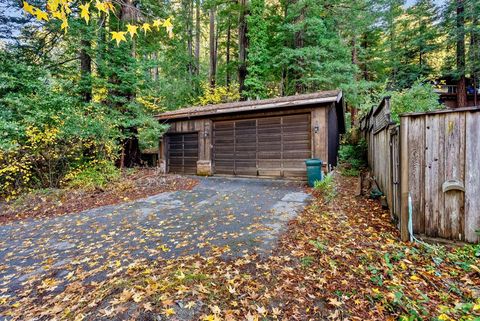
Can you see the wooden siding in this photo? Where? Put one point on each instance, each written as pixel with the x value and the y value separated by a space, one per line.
pixel 433 148
pixel 320 138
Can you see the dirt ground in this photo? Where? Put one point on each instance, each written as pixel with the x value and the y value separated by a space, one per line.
pixel 133 185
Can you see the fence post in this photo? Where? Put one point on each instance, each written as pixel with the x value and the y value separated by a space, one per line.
pixel 404 178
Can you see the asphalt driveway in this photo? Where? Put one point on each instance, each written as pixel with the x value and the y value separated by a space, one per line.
pixel 238 214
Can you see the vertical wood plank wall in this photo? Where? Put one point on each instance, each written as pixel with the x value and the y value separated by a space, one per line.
pixel 434 147
pixel 441 147
pixel 319 140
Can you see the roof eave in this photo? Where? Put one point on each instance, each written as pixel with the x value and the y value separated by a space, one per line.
pixel 253 107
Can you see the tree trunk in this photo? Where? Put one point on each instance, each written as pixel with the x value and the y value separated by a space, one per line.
pixel 213 50
pixel 461 86
pixel 298 44
pixel 155 69
pixel 85 71
pixel 475 55
pixel 130 156
pixel 242 45
pixel 197 37
pixel 227 58
pixel 191 59
pixel 365 47
pixel 284 68
pixel 354 50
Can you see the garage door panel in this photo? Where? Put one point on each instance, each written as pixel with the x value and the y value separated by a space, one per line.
pixel 296 118
pixel 270 131
pixel 175 154
pixel 176 146
pixel 294 173
pixel 245 141
pixel 175 139
pixel 270 172
pixel 219 125
pixel 295 129
pixel 269 146
pixel 246 123
pixel 183 153
pixel 270 155
pixel 296 155
pixel 269 120
pixel 225 131
pixel 296 146
pixel 295 136
pixel 269 163
pixel 271 136
pixel 294 163
pixel 191 154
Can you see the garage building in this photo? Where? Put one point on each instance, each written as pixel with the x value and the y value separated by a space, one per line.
pixel 265 138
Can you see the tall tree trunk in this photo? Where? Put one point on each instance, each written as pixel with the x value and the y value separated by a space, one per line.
pixel 227 58
pixel 354 50
pixel 284 68
pixel 475 55
pixel 85 71
pixel 365 47
pixel 213 50
pixel 197 37
pixel 298 44
pixel 155 68
pixel 461 83
pixel 101 44
pixel 242 45
pixel 130 154
pixel 189 25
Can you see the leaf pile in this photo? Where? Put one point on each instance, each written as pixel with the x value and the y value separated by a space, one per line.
pixel 132 185
pixel 338 260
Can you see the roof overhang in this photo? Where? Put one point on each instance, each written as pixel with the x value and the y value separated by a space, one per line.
pixel 255 105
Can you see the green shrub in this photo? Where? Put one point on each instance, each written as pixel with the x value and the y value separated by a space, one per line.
pixel 353 172
pixel 353 158
pixel 327 187
pixel 419 98
pixel 95 176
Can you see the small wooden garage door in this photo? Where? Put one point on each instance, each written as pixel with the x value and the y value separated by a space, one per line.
pixel 270 146
pixel 183 153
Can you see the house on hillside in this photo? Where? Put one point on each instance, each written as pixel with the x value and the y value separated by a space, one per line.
pixel 447 89
pixel 264 138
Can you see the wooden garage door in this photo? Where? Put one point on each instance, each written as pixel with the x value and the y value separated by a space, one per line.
pixel 183 153
pixel 270 146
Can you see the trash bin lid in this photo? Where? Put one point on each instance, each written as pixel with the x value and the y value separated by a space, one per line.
pixel 313 162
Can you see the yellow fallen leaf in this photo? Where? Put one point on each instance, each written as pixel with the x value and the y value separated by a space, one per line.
pixel 168 312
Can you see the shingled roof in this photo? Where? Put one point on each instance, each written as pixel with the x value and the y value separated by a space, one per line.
pixel 251 105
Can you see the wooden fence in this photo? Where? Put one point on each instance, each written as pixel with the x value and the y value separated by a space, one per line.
pixel 435 158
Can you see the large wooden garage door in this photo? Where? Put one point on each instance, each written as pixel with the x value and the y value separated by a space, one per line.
pixel 270 146
pixel 183 153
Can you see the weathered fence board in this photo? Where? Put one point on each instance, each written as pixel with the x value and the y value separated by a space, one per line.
pixel 454 169
pixel 428 150
pixel 416 166
pixel 472 176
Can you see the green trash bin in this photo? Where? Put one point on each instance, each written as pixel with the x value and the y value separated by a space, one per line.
pixel 314 171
